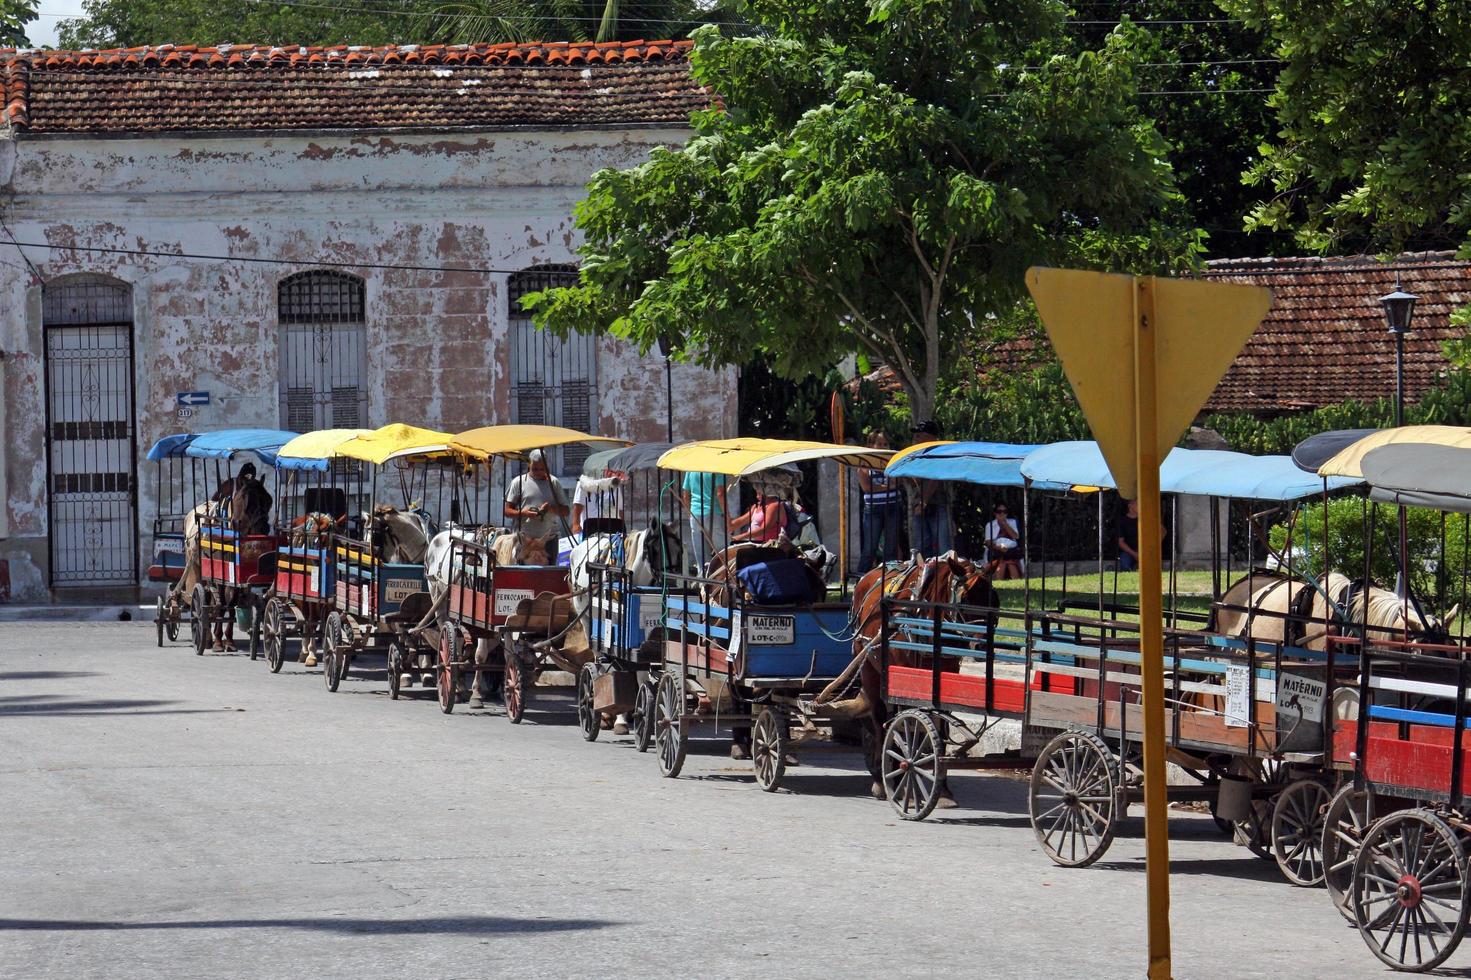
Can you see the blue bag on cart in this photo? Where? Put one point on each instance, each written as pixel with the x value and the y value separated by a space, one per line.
pixel 783 582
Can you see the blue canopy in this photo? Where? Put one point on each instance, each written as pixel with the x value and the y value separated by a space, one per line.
pixel 224 444
pixel 171 447
pixel 1199 472
pixel 989 464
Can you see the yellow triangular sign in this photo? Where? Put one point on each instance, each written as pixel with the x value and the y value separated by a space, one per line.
pixel 1092 318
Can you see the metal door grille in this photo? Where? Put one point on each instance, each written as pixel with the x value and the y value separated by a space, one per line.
pixel 324 356
pixel 90 435
pixel 553 380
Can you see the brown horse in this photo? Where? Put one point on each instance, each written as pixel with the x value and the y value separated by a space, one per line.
pixel 948 579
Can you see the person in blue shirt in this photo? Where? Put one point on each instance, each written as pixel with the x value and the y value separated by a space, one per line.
pixel 881 514
pixel 704 501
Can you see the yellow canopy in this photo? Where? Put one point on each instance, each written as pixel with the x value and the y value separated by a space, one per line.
pixel 518 440
pixel 741 457
pixel 1349 461
pixel 321 444
pixel 916 448
pixel 395 441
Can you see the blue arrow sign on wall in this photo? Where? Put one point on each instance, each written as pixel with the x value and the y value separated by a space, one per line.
pixel 192 397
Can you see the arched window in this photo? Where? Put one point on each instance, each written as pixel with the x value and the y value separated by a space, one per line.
pixel 88 322
pixel 324 352
pixel 553 381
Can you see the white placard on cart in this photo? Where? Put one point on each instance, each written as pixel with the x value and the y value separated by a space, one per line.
pixel 772 631
pixel 1295 690
pixel 506 600
pixel 1238 696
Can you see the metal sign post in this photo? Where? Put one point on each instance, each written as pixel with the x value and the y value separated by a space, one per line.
pixel 1143 354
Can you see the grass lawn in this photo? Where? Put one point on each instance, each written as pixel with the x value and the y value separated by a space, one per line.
pixel 1193 592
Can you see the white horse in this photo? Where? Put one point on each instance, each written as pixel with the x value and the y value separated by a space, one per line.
pixel 1272 607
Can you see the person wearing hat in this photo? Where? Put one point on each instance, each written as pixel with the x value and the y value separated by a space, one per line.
pixel 535 502
pixel 929 515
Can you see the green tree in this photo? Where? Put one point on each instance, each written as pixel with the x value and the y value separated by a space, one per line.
pixel 1202 81
pixel 1374 107
pixel 877 179
pixel 14 16
pixel 125 23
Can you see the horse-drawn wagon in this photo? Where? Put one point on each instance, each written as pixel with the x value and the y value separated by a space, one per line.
pixel 229 549
pixel 317 498
pixel 508 607
pixel 1247 691
pixel 752 638
pixel 379 587
pixel 617 570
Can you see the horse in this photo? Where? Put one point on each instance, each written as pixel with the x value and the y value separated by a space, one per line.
pixel 402 536
pixel 948 579
pixel 312 530
pixel 1276 608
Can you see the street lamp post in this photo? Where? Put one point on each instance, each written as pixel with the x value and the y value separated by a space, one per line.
pixel 666 347
pixel 1399 307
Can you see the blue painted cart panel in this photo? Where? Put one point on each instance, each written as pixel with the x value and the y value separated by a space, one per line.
pixel 795 643
pixel 625 621
pixel 396 582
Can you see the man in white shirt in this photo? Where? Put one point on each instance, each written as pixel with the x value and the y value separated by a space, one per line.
pixel 1003 545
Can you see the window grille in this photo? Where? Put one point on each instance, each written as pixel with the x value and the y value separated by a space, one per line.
pixel 553 381
pixel 324 358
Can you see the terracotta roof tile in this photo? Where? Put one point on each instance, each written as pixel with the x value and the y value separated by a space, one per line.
pixel 1325 341
pixel 176 88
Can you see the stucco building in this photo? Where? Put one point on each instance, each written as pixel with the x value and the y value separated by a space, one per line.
pixel 300 238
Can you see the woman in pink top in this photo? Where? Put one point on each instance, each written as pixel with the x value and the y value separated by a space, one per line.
pixel 766 519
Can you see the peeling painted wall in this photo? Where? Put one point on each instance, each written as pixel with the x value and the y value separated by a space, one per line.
pixel 437 341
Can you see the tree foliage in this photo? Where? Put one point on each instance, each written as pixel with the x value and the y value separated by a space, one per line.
pixel 1374 105
pixel 125 23
pixel 877 180
pixel 14 16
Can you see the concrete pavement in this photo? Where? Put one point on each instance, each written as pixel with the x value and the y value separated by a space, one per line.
pixel 168 815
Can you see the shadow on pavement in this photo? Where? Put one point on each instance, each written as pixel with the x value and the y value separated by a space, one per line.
pixel 52 704
pixel 451 925
pixel 45 675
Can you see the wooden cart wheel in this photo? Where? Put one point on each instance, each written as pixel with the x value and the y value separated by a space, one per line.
pixel 451 643
pixel 1350 813
pixel 1411 890
pixel 171 624
pixel 913 767
pixel 397 656
pixel 199 618
pixel 336 650
pixel 769 748
pixel 587 719
pixel 159 616
pixel 1297 831
pixel 669 733
pixel 643 716
pixel 1255 832
pixel 1073 799
pixel 516 685
pixel 272 638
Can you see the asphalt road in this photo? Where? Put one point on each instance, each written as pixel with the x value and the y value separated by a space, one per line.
pixel 167 815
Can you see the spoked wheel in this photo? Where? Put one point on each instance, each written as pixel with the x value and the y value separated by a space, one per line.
pixel 336 651
pixel 1073 799
pixel 272 630
pixel 1297 831
pixel 913 764
pixel 769 748
pixel 397 663
pixel 1349 814
pixel 1255 832
pixel 199 618
pixel 1410 890
pixel 643 716
pixel 171 624
pixel 516 687
pixel 160 616
pixel 587 718
pixel 669 734
pixel 451 646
